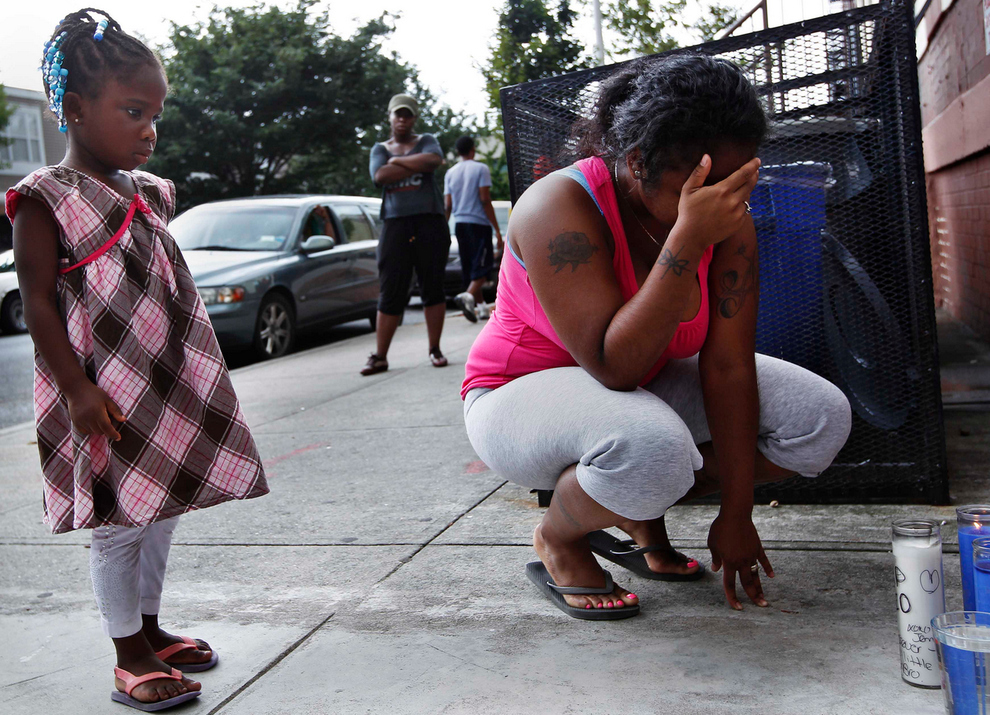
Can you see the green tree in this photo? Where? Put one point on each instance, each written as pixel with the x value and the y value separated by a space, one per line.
pixel 268 101
pixel 646 27
pixel 532 42
pixel 6 111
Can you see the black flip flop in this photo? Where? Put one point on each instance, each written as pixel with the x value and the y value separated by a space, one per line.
pixel 539 575
pixel 625 553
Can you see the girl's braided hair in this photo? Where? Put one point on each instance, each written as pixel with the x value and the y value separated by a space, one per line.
pixel 88 60
pixel 673 109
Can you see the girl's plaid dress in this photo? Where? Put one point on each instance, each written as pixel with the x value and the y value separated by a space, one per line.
pixel 135 320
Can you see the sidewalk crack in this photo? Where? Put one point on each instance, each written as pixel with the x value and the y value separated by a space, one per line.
pixel 275 661
pixel 410 557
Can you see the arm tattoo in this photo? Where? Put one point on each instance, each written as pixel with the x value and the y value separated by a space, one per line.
pixel 733 287
pixel 672 263
pixel 571 247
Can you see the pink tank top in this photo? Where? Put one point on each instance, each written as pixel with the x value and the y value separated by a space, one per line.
pixel 519 339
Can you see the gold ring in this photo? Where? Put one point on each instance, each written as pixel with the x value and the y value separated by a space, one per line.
pixel 754 568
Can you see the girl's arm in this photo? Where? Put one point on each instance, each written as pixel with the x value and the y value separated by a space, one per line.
pixel 566 246
pixel 36 260
pixel 728 380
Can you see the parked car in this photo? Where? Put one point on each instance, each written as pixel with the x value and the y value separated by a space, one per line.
pixel 453 279
pixel 11 307
pixel 269 267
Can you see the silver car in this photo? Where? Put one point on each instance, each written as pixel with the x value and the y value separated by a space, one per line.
pixel 269 267
pixel 11 306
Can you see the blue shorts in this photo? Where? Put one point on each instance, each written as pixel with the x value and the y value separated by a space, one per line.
pixel 474 242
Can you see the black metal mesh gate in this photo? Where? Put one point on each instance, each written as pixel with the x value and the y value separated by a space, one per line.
pixel 841 217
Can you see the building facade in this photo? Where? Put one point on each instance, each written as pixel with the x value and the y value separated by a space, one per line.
pixel 33 141
pixel 954 75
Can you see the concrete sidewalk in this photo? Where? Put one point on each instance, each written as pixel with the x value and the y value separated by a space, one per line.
pixel 384 573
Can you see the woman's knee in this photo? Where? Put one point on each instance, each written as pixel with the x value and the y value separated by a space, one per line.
pixel 639 474
pixel 811 443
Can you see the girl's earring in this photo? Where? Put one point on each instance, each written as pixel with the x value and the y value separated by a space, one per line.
pixel 639 174
pixel 76 120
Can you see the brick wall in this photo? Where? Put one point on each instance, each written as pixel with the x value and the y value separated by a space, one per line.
pixel 959 213
pixel 954 76
pixel 955 60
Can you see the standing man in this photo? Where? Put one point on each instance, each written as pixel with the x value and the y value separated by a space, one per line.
pixel 467 194
pixel 415 233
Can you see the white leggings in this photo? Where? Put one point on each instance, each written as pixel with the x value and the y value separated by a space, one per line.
pixel 128 569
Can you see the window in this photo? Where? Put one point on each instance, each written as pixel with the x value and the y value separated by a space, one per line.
pixel 26 150
pixel 355 223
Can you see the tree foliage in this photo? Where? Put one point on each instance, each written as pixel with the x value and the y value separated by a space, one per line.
pixel 6 112
pixel 646 26
pixel 533 41
pixel 265 101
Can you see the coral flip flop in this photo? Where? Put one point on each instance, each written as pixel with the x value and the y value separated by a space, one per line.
pixel 625 553
pixel 539 575
pixel 187 643
pixel 131 681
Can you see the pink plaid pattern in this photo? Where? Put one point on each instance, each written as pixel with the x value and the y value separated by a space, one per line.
pixel 135 320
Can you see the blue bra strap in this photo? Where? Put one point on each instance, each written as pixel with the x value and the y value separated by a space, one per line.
pixel 509 244
pixel 572 172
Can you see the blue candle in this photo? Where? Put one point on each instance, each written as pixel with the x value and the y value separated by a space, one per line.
pixel 963 639
pixel 973 522
pixel 981 574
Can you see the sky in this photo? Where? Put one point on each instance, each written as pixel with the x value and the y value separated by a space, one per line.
pixel 446 39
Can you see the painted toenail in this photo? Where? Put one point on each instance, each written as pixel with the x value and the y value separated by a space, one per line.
pixel 608 605
pixel 692 563
pixel 588 605
pixel 631 595
pixel 598 605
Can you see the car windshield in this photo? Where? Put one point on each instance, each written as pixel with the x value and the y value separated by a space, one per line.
pixel 6 261
pixel 502 214
pixel 233 228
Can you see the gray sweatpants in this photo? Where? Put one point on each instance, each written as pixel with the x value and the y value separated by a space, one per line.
pixel 635 451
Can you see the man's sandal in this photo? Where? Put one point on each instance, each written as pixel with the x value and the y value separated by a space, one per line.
pixel 539 575
pixel 437 358
pixel 187 644
pixel 131 681
pixel 625 553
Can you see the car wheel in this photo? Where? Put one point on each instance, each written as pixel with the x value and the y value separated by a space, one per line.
pixel 12 314
pixel 275 331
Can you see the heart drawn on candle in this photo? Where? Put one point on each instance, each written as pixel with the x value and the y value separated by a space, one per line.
pixel 929 581
pixel 899 575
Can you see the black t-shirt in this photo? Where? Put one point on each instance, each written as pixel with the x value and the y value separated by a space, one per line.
pixel 416 194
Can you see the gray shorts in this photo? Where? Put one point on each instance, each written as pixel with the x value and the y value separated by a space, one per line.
pixel 636 451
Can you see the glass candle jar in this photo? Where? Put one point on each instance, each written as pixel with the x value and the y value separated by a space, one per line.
pixel 973 522
pixel 981 574
pixel 917 546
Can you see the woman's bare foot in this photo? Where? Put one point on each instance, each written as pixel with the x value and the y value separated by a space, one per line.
pixel 573 564
pixel 654 533
pixel 157 690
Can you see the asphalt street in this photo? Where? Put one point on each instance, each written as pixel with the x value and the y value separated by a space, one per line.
pixel 16 369
pixel 17 362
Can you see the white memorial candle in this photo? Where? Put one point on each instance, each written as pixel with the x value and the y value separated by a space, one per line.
pixel 917 545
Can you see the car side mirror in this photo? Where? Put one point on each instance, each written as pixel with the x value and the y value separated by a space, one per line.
pixel 315 244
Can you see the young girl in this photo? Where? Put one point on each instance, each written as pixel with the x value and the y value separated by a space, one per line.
pixel 137 419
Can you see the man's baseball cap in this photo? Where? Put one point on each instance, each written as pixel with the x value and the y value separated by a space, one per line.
pixel 403 101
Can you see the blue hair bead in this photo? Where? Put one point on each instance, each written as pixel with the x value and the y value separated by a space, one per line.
pixel 98 36
pixel 62 128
